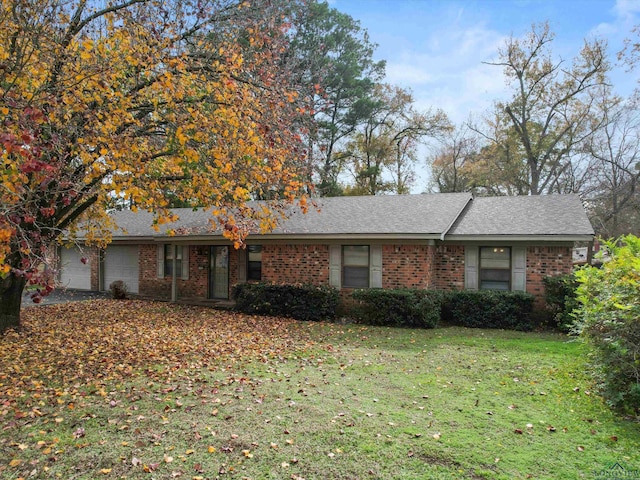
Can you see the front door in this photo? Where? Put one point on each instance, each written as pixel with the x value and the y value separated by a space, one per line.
pixel 219 272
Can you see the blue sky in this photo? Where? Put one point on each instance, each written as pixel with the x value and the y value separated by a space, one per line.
pixel 436 47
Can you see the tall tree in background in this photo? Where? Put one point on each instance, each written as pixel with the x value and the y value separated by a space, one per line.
pixel 614 154
pixel 386 143
pixel 131 99
pixel 335 60
pixel 452 162
pixel 550 109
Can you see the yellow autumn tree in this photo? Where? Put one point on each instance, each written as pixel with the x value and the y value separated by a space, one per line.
pixel 139 101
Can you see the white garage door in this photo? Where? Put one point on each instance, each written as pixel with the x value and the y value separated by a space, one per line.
pixel 121 263
pixel 74 273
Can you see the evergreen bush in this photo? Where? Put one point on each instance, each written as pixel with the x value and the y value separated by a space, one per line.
pixel 608 319
pixel 302 302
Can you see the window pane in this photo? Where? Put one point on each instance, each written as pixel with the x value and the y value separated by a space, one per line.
pixel 488 285
pixel 495 268
pixel 254 253
pixel 356 255
pixel 254 262
pixel 495 257
pixel 356 277
pixel 493 274
pixel 168 260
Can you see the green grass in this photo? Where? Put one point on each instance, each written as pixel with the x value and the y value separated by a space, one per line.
pixel 351 403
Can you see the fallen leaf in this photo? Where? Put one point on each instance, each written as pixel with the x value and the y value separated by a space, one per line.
pixel 150 467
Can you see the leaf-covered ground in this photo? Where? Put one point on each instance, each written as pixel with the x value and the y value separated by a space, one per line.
pixel 66 349
pixel 132 389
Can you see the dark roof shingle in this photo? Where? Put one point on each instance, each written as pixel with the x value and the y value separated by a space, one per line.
pixel 423 216
pixel 524 215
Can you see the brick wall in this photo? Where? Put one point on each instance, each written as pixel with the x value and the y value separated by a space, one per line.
pixel 543 262
pixel 449 267
pixel 94 262
pixel 296 264
pixel 404 266
pixel 408 266
pixel 194 287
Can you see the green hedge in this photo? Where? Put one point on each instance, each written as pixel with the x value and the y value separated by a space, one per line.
pixel 302 302
pixel 489 309
pixel 398 308
pixel 560 297
pixel 608 320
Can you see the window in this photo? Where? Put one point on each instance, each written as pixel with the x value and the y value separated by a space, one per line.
pixel 168 260
pixel 495 268
pixel 254 262
pixel 355 266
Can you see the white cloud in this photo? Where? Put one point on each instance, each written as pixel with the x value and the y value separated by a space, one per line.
pixel 407 74
pixel 448 73
pixel 626 14
pixel 627 8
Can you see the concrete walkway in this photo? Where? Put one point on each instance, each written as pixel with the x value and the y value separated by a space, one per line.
pixel 63 296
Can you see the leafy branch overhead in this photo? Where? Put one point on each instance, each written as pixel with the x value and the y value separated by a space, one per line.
pixel 131 102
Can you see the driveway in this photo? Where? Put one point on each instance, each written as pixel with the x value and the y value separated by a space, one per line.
pixel 63 296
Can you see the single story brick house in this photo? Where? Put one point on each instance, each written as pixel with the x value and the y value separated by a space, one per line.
pixel 429 241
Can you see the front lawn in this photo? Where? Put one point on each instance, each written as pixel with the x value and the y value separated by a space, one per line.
pixel 130 389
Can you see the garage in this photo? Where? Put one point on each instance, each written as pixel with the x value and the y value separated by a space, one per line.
pixel 74 273
pixel 120 262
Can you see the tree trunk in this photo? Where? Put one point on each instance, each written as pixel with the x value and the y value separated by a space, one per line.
pixel 11 288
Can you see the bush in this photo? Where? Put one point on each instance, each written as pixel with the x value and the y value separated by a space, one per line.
pixel 560 296
pixel 398 308
pixel 489 309
pixel 302 302
pixel 608 319
pixel 118 290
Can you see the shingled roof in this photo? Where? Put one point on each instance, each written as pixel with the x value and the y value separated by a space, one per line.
pixel 541 215
pixel 425 216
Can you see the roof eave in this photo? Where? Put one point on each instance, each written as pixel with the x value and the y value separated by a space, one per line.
pixel 279 236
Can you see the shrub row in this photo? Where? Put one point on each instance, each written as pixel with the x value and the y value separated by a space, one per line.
pixel 489 309
pixel 302 302
pixel 560 297
pixel 398 308
pixel 425 308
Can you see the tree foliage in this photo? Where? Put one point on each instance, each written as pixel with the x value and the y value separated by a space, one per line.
pixel 334 58
pixel 608 319
pixel 387 141
pixel 128 99
pixel 549 113
pixel 613 180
